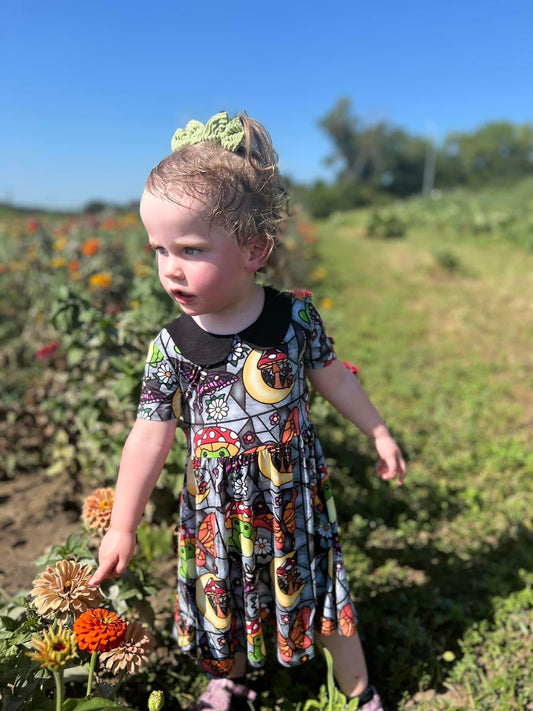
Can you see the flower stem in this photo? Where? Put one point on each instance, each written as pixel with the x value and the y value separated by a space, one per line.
pixel 58 678
pixel 92 665
pixel 117 686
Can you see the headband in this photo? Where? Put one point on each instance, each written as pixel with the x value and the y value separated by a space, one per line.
pixel 219 128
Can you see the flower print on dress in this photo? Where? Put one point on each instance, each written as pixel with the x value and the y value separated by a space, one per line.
pixel 237 353
pixel 240 488
pixel 164 375
pixel 248 437
pixel 217 408
pixel 262 547
pixel 324 528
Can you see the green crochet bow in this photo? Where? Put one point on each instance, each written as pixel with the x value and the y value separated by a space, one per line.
pixel 219 128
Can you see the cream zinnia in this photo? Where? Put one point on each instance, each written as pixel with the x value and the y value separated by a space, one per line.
pixel 132 653
pixel 63 589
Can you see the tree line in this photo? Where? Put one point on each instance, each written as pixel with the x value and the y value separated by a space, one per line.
pixel 378 161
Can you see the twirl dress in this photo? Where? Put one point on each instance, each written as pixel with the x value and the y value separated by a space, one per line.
pixel 258 538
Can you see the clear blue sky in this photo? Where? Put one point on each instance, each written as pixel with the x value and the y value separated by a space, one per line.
pixel 91 92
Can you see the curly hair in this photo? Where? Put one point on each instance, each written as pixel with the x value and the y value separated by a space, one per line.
pixel 242 190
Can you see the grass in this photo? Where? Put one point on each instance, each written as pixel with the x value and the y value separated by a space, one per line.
pixel 439 323
pixel 439 567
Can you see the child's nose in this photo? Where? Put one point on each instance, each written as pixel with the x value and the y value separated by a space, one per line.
pixel 174 270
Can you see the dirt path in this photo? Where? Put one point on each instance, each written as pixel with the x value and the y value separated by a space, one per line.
pixel 36 512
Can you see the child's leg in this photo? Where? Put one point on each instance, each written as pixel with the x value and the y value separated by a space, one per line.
pixel 349 665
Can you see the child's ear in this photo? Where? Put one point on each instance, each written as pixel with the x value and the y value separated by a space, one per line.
pixel 258 252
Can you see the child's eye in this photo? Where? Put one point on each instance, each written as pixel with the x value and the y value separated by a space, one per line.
pixel 161 251
pixel 191 251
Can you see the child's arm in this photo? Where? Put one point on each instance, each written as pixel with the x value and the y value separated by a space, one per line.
pixel 344 391
pixel 143 458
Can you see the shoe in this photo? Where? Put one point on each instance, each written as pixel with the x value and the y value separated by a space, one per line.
pixel 374 704
pixel 225 695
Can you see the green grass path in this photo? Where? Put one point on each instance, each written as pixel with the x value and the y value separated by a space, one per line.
pixel 441 325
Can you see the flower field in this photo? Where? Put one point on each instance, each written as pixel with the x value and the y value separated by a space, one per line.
pixel 432 302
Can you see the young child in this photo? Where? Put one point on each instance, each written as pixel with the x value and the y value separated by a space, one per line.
pixel 258 537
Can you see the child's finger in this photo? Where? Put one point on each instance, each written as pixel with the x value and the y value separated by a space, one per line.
pixel 104 571
pixel 390 468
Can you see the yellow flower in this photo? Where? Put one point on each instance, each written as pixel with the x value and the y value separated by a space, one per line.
pixel 97 509
pixel 128 220
pixel 60 244
pixel 291 244
pixel 132 653
pixel 142 270
pixel 134 304
pixel 101 280
pixel 327 303
pixel 319 273
pixel 63 589
pixel 58 262
pixel 55 650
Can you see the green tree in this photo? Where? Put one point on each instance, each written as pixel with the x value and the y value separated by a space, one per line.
pixel 497 150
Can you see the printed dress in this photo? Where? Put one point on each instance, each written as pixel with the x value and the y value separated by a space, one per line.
pixel 258 538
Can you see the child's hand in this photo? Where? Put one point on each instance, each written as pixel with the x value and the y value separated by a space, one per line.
pixel 391 463
pixel 116 551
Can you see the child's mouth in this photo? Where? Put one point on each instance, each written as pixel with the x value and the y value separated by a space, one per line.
pixel 182 298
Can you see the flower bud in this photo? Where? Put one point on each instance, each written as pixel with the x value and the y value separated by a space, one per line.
pixel 156 701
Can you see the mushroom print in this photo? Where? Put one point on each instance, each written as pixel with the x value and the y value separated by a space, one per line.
pixel 213 442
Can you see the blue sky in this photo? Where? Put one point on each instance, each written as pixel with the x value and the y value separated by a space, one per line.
pixel 91 92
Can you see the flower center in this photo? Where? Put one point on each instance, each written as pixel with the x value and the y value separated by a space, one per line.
pixel 59 647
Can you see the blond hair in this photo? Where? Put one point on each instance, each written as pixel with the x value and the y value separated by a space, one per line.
pixel 242 190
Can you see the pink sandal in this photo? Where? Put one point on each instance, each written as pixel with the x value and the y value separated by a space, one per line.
pixel 373 704
pixel 225 695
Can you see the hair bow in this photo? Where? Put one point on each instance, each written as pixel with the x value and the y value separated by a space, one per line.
pixel 219 128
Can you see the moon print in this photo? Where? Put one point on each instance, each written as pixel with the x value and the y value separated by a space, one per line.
pixel 286 577
pixel 255 383
pixel 213 600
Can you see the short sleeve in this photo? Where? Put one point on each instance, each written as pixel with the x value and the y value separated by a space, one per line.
pixel 160 394
pixel 319 351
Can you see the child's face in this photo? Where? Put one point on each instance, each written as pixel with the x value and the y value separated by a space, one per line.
pixel 200 266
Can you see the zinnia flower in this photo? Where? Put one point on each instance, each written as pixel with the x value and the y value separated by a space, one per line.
pixel 55 650
pixel 302 293
pixel 101 280
pixel 64 588
pixel 47 351
pixel 319 274
pixel 90 247
pixel 351 367
pixel 58 262
pixel 97 509
pixel 99 630
pixel 132 653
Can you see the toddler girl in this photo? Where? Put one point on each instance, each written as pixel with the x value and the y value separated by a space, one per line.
pixel 258 538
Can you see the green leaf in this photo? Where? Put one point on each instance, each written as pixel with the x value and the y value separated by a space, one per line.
pixel 95 704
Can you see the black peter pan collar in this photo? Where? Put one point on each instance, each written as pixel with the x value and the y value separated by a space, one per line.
pixel 204 348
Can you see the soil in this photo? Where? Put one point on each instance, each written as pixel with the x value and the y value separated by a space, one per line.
pixel 36 512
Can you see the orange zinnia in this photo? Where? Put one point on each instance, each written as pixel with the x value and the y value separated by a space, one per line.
pixel 99 630
pixel 90 247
